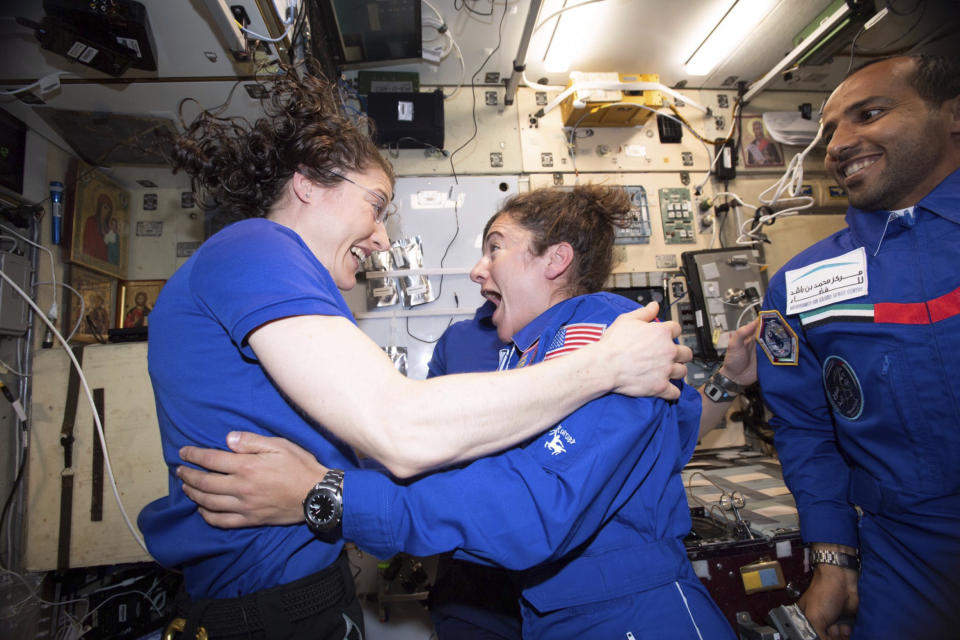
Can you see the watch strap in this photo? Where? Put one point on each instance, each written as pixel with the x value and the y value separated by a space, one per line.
pixel 720 388
pixel 835 558
pixel 332 481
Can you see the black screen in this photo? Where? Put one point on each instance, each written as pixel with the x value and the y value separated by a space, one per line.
pixel 365 33
pixel 13 140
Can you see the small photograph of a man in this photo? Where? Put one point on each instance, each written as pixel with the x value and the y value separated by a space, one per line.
pixel 760 151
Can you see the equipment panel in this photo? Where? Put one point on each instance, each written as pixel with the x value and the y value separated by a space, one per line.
pixel 639 230
pixel 726 287
pixel 676 212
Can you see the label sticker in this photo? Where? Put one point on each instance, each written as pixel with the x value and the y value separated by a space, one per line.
pixel 827 282
pixel 404 111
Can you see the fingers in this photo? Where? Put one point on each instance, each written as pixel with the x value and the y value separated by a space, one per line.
pixel 211 459
pixel 647 313
pixel 684 354
pixel 248 442
pixel 206 482
pixel 678 371
pixel 671 326
pixel 211 501
pixel 670 392
pixel 224 520
pixel 747 332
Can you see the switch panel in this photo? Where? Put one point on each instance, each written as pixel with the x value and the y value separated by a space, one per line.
pixel 676 212
pixel 639 230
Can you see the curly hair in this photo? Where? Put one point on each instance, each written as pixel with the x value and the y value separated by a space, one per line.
pixel 245 167
pixel 584 216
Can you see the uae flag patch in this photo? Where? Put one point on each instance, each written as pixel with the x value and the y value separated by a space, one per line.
pixel 573 336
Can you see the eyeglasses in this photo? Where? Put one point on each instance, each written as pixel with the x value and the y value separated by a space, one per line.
pixel 382 210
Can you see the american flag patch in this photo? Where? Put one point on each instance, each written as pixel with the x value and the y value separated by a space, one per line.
pixel 572 337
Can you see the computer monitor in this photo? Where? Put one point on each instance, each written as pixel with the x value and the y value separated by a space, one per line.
pixel 13 143
pixel 356 34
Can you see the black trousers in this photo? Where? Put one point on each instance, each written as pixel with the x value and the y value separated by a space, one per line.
pixel 322 606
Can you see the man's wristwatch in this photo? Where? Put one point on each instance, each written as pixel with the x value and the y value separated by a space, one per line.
pixel 836 558
pixel 720 388
pixel 323 506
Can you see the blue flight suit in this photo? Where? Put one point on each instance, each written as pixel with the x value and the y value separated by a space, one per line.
pixel 470 600
pixel 467 346
pixel 207 381
pixel 593 511
pixel 867 412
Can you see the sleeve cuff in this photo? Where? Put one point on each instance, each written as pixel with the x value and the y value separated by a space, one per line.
pixel 829 524
pixel 367 500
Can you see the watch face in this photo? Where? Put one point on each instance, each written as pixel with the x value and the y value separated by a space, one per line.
pixel 321 507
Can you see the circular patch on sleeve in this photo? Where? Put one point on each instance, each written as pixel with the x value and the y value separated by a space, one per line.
pixel 843 388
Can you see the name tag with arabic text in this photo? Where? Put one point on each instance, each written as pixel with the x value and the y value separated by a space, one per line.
pixel 827 282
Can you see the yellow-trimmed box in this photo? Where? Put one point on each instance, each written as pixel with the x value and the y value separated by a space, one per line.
pixel 762 576
pixel 596 113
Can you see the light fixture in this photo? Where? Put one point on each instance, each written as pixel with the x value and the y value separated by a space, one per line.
pixel 738 21
pixel 576 35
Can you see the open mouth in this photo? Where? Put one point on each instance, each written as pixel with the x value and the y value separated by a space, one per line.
pixel 359 254
pixel 492 296
pixel 851 169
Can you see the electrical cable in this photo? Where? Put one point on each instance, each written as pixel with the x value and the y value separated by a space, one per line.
pixel 745 310
pixel 13 491
pixel 734 119
pixel 570 143
pixel 788 185
pixel 456 233
pixel 53 313
pixel 38 83
pixel 96 415
pixel 473 87
pixel 289 22
pixel 464 5
pixel 83 308
pixel 442 29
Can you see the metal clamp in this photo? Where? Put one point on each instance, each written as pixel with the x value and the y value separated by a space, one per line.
pixel 177 625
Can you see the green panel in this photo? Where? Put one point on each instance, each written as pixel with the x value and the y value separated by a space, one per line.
pixel 676 212
pixel 815 23
pixel 388 82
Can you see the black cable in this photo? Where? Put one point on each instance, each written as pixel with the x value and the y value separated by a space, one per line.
pixel 853 49
pixel 473 87
pixel 456 233
pixel 903 13
pixel 13 492
pixel 882 50
pixel 464 5
pixel 419 339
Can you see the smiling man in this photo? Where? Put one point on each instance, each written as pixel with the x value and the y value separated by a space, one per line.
pixel 857 360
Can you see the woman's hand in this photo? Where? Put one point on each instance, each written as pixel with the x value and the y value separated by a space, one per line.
pixel 263 482
pixel 647 355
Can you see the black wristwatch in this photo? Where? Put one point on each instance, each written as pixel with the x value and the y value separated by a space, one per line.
pixel 323 506
pixel 836 558
pixel 720 388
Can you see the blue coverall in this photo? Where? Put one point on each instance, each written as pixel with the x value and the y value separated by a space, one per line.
pixel 594 510
pixel 471 601
pixel 867 412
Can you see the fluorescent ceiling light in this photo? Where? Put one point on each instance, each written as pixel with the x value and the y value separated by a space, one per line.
pixel 572 34
pixel 739 20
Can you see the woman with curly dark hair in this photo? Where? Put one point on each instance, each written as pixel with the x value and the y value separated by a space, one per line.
pixel 252 333
pixel 592 511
